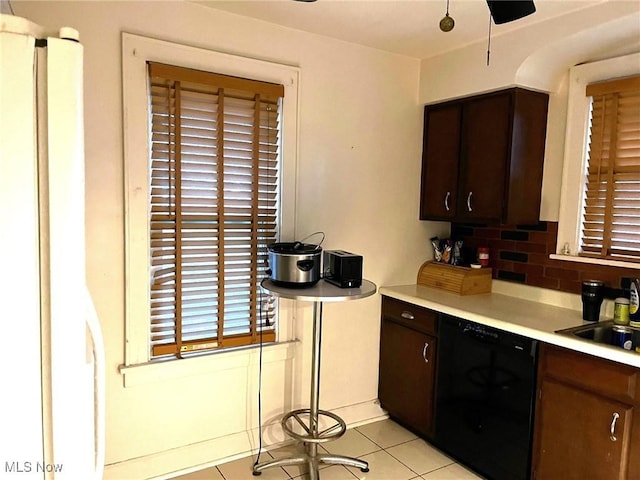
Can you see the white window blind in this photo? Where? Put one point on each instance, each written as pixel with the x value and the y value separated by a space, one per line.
pixel 611 220
pixel 214 203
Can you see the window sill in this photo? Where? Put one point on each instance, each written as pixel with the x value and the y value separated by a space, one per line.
pixel 595 261
pixel 161 371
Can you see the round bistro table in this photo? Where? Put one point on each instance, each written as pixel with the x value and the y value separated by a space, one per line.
pixel 307 419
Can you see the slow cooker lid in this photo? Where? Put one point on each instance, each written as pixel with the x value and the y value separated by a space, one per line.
pixel 293 248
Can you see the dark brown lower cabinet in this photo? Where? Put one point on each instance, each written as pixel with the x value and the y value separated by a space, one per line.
pixel 586 418
pixel 407 364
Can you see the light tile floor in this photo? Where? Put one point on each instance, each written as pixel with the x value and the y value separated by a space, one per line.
pixel 393 453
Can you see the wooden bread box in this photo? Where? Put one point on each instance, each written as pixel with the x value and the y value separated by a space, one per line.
pixel 455 279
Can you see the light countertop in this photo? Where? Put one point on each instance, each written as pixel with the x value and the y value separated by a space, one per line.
pixel 532 319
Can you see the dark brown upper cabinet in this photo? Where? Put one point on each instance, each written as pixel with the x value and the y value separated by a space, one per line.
pixel 483 157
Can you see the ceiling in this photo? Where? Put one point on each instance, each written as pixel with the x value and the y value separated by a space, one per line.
pixel 406 27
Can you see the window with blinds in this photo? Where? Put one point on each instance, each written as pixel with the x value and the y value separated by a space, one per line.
pixel 611 217
pixel 214 202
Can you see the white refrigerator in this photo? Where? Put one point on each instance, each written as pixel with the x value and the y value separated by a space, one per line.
pixel 51 350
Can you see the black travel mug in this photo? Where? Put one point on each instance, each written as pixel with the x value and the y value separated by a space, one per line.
pixel 592 296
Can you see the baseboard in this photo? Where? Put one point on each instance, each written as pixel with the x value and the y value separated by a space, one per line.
pixel 361 413
pixel 189 458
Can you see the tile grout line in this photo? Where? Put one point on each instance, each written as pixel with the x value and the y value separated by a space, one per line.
pixel 402 463
pixel 430 471
pixel 382 449
pixel 418 475
pixel 390 446
pixel 352 474
pixel 221 474
pixel 366 453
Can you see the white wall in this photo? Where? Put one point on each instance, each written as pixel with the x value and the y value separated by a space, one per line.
pixel 359 169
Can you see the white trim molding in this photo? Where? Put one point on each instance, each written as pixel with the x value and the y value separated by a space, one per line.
pixel 245 357
pixel 574 168
pixel 190 458
pixel 595 261
pixel 136 52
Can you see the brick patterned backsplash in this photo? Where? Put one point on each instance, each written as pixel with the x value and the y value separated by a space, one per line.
pixel 520 253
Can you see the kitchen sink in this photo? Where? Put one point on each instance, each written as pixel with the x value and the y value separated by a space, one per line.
pixel 601 332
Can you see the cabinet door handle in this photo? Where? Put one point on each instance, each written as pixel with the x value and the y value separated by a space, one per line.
pixel 469 201
pixel 407 315
pixel 615 418
pixel 446 201
pixel 424 353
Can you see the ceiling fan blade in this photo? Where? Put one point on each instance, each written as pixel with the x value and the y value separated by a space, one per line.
pixel 507 11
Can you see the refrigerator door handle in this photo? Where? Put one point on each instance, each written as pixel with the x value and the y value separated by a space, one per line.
pixel 93 323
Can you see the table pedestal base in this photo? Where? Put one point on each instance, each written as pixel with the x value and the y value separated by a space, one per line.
pixel 311 434
pixel 311 438
pixel 313 463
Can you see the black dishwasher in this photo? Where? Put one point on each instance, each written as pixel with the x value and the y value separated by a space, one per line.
pixel 485 390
